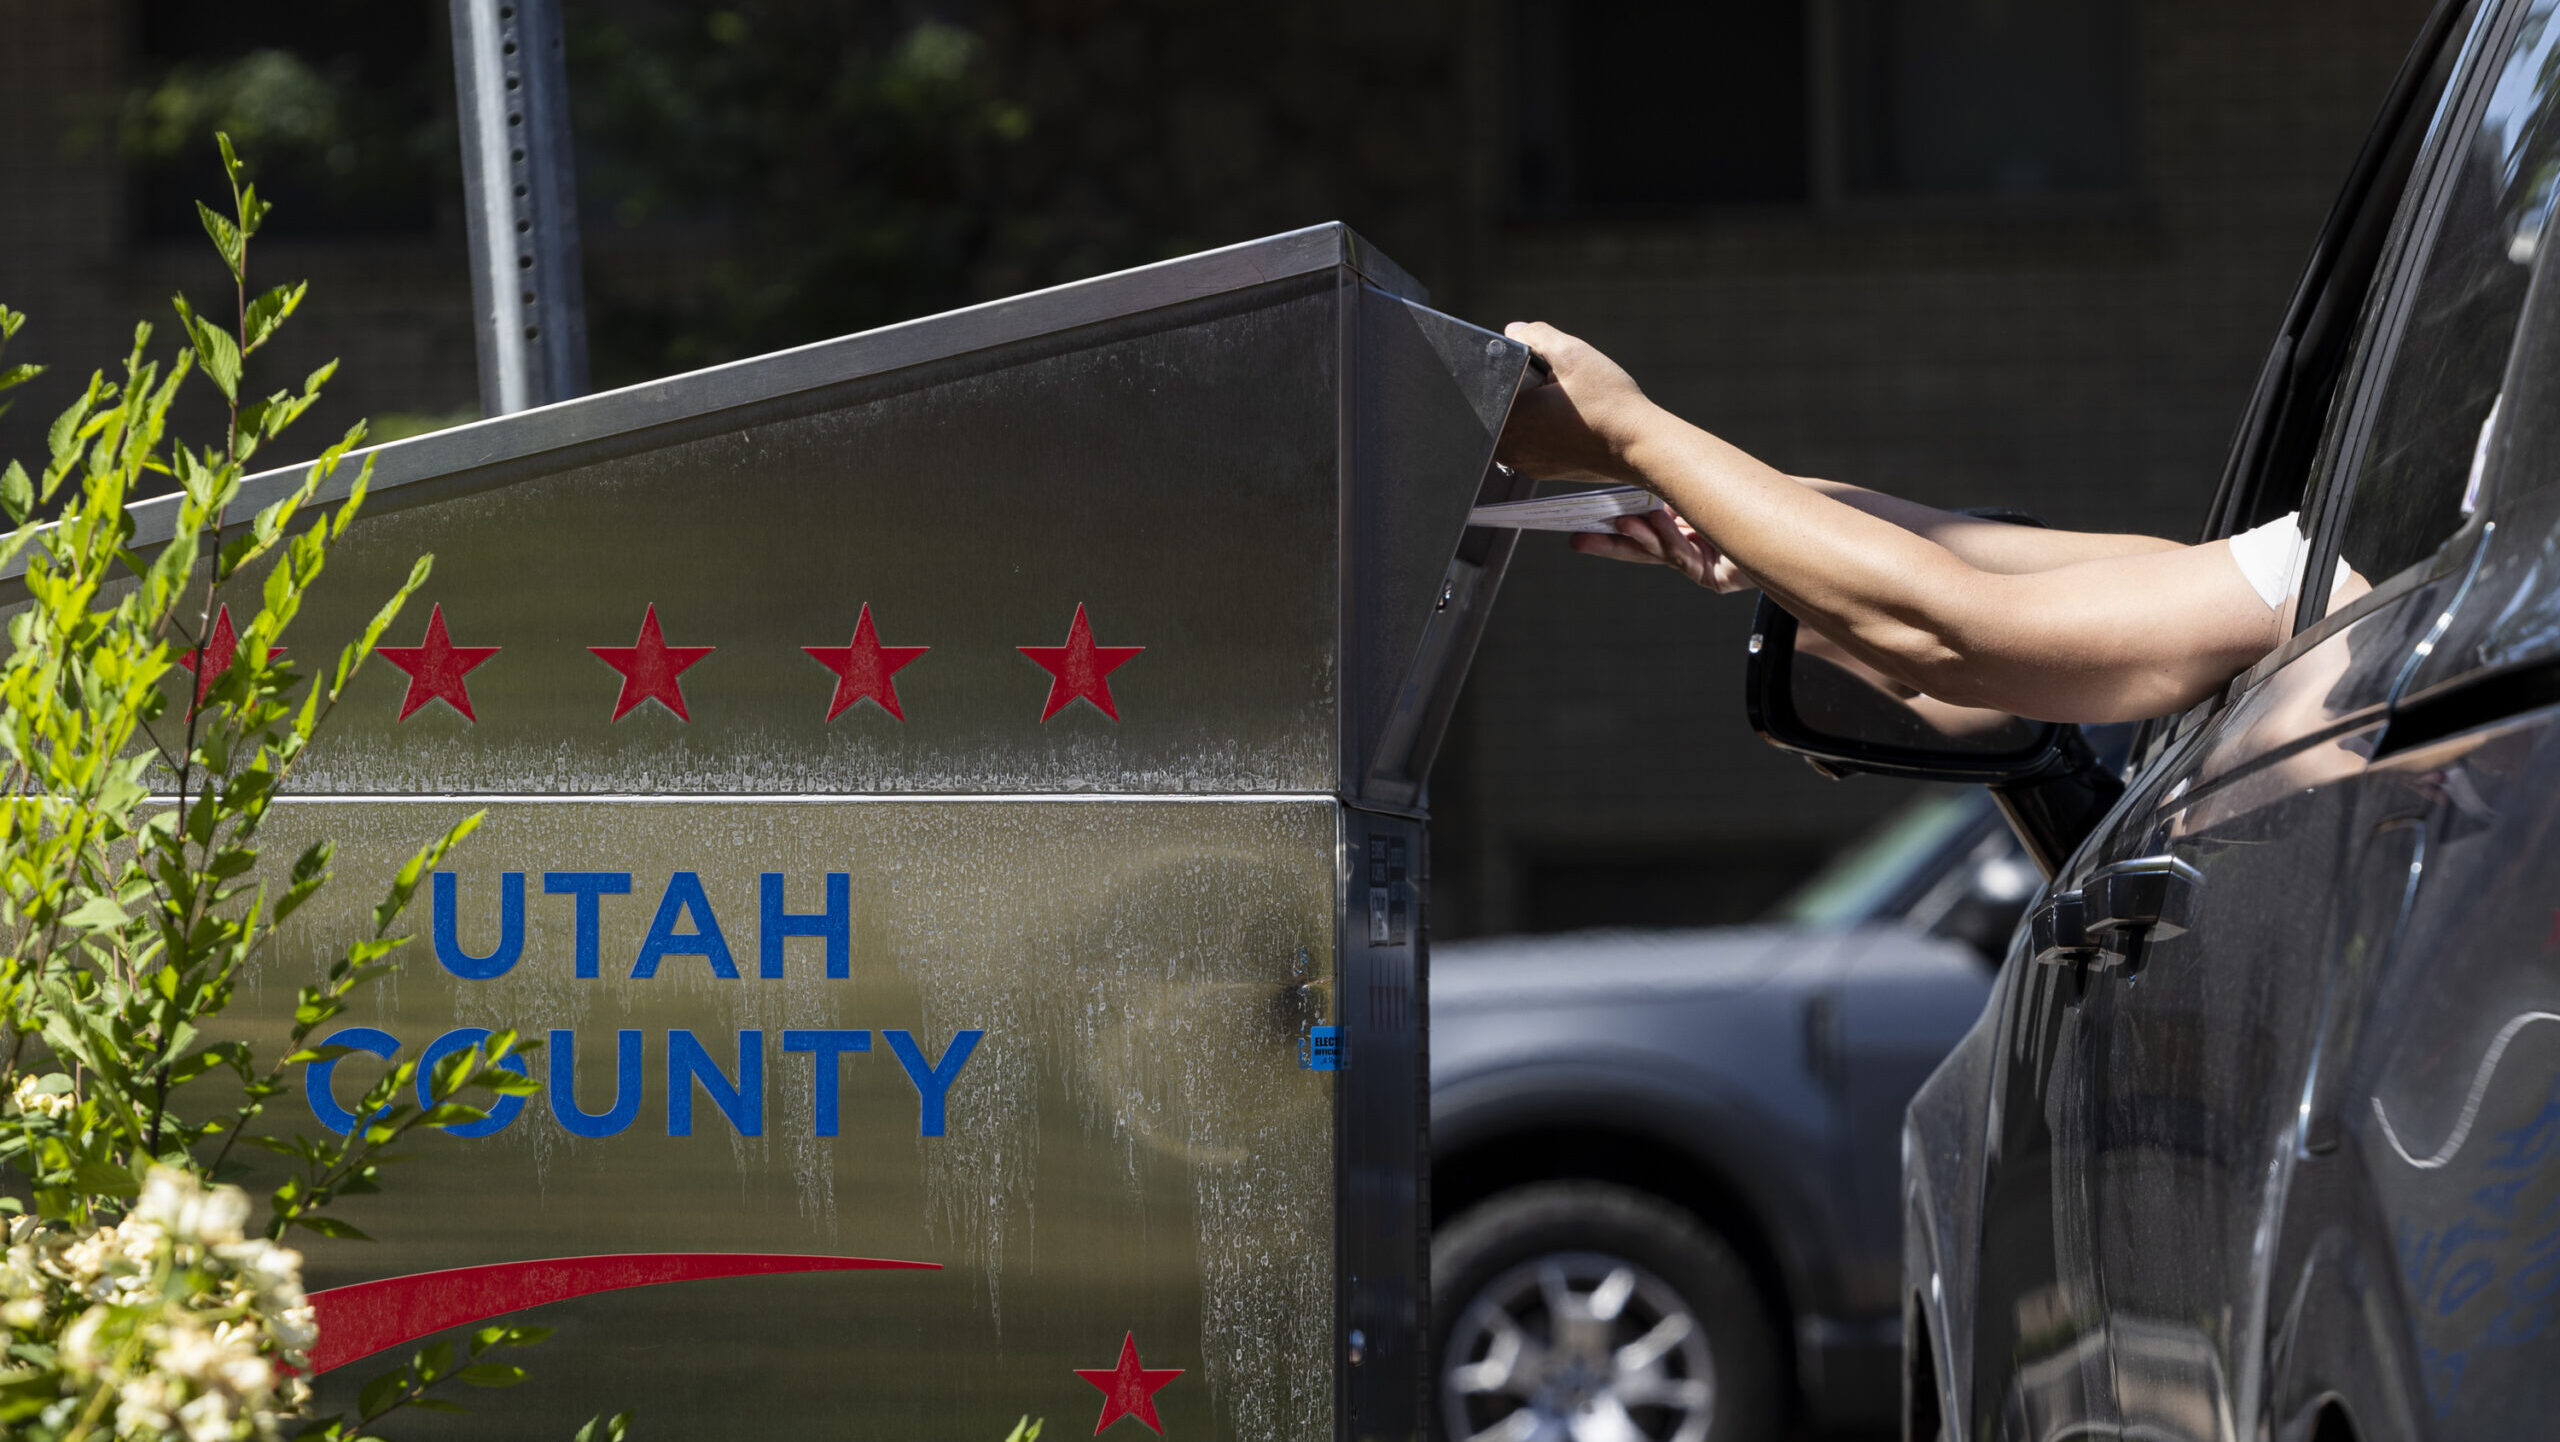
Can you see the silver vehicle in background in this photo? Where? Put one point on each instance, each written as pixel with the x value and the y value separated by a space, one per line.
pixel 1664 1162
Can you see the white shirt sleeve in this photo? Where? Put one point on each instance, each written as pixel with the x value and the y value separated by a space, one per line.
pixel 2272 557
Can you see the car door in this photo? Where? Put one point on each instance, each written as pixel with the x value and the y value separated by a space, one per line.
pixel 2038 1352
pixel 2245 870
pixel 2435 1252
pixel 2432 1278
pixel 2034 1360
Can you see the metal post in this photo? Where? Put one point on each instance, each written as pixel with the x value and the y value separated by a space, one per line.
pixel 511 91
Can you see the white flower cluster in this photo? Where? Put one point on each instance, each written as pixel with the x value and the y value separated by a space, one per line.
pixel 174 1317
pixel 30 1097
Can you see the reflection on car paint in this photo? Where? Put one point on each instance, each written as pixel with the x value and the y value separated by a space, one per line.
pixel 2447 1267
pixel 2470 1104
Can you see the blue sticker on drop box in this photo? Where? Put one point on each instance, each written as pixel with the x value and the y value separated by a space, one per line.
pixel 1324 1048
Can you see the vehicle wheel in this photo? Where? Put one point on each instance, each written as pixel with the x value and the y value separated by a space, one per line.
pixel 1596 1313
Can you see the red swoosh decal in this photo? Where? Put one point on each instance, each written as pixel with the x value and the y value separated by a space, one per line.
pixel 358 1321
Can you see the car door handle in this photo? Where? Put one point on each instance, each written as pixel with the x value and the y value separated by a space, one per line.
pixel 2119 906
pixel 2148 897
pixel 2058 932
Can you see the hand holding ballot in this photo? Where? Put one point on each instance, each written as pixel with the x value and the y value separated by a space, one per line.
pixel 1625 523
pixel 1595 511
pixel 1663 538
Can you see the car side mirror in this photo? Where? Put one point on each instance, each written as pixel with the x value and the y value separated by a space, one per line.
pixel 1807 695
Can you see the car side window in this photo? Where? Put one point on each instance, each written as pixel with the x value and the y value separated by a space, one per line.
pixel 2442 322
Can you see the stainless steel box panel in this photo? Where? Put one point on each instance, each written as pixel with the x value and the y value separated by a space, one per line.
pixel 1384 1203
pixel 1255 464
pixel 1426 397
pixel 1175 477
pixel 1261 481
pixel 1132 1146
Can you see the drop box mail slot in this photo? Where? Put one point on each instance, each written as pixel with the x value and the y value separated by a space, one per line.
pixel 954 823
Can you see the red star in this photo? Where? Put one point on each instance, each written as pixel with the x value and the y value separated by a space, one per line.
pixel 864 668
pixel 1079 668
pixel 649 668
pixel 221 644
pixel 436 667
pixel 1128 1390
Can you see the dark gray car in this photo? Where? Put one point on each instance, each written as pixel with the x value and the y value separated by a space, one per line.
pixel 2260 1134
pixel 1664 1163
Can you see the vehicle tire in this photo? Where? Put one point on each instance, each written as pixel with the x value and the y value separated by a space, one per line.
pixel 1596 1306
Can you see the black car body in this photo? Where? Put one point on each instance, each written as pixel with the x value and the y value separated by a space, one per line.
pixel 1736 1092
pixel 2260 1133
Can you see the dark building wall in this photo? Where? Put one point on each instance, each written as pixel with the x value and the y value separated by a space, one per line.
pixel 2083 357
pixel 845 165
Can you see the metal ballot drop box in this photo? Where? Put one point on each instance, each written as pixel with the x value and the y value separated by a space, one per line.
pixel 954 796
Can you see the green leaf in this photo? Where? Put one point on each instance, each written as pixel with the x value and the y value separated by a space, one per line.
pixel 405 885
pixel 313 863
pixel 252 428
pixel 17 493
pixel 356 488
pixel 379 1391
pixel 490 1374
pixel 18 375
pixel 227 238
pixel 66 426
pixel 269 311
pixel 230 1054
pixel 253 211
pixel 105 1178
pixel 332 1227
pixel 99 913
pixel 218 354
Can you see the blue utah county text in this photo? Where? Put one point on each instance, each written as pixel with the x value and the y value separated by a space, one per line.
pixel 737 1094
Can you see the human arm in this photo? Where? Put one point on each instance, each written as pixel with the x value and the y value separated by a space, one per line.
pixel 1662 537
pixel 1988 544
pixel 2133 630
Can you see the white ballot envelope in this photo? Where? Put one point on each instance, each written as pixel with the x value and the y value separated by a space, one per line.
pixel 1579 511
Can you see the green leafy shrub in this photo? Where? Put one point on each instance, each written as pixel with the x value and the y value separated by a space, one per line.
pixel 138 1298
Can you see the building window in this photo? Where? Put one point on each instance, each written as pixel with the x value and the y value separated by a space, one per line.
pixel 1985 97
pixel 1627 107
pixel 1634 105
pixel 339 110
